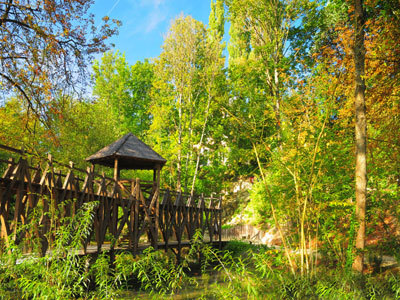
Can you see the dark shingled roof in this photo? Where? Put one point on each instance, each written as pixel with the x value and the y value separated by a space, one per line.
pixel 131 152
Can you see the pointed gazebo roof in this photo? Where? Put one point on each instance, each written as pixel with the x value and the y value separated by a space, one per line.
pixel 131 153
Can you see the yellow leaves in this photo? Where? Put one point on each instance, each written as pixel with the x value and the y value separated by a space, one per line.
pixel 66 31
pixel 302 137
pixel 292 153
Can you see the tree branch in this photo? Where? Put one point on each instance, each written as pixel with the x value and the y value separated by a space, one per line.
pixel 21 90
pixel 6 12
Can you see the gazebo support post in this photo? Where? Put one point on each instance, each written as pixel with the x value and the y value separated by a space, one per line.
pixel 116 169
pixel 114 219
pixel 156 180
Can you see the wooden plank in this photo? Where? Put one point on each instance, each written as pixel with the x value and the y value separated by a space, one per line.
pixel 201 214
pixel 165 223
pixel 18 177
pixel 157 212
pixel 85 188
pixel 190 214
pixel 10 168
pixel 220 222
pixel 136 214
pixel 114 207
pixel 126 206
pixel 209 218
pixel 102 214
pixel 5 230
pixel 131 225
pixel 148 218
pixel 176 217
pixel 44 222
pixel 37 175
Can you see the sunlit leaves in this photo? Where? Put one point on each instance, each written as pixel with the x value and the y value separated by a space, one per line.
pixel 46 47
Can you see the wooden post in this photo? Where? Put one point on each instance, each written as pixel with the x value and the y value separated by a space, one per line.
pixel 132 217
pixel 220 222
pixel 157 172
pixel 210 218
pixel 51 185
pixel 136 220
pixel 114 208
pixel 116 169
pixel 114 219
pixel 201 212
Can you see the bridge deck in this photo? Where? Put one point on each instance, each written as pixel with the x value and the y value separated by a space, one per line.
pixel 92 249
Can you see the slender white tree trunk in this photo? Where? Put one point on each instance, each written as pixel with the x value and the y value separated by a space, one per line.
pixel 361 134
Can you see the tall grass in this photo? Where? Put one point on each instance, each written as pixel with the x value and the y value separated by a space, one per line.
pixel 260 273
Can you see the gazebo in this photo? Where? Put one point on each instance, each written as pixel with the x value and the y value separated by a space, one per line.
pixel 128 153
pixel 132 154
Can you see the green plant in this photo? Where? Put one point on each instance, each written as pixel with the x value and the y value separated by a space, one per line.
pixel 350 247
pixel 104 277
pixel 240 247
pixel 60 274
pixel 156 271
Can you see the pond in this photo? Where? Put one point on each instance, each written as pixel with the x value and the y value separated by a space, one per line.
pixel 202 286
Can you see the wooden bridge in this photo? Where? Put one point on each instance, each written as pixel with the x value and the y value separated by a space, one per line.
pixel 39 198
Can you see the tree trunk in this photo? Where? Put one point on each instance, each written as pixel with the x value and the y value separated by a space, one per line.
pixel 179 163
pixel 361 133
pixel 201 144
pixel 277 107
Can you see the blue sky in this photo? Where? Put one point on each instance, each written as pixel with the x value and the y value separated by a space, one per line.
pixel 145 22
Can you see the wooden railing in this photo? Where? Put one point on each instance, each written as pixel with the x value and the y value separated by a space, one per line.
pixel 130 211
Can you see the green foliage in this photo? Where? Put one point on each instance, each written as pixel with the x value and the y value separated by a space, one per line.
pixel 156 271
pixel 350 247
pixel 188 88
pixel 104 277
pixel 258 210
pixel 60 274
pixel 125 91
pixel 238 248
pixel 261 274
pixel 74 133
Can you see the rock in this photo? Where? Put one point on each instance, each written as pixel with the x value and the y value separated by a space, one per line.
pixel 272 238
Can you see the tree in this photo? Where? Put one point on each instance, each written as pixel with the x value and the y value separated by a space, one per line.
pixel 45 48
pixel 212 77
pixel 125 90
pixel 363 52
pixel 188 90
pixel 360 131
pixel 266 28
pixel 177 75
pixel 17 128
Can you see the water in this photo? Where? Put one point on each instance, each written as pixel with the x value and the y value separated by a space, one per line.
pixel 205 285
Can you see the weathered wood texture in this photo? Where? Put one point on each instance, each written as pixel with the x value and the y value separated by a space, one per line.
pixel 38 199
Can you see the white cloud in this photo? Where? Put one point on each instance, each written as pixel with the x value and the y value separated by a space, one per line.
pixel 154 18
pixel 112 8
pixel 155 3
pixel 148 15
pixel 157 14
